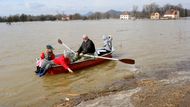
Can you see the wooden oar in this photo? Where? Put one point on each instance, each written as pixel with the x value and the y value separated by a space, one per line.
pixel 59 41
pixel 127 61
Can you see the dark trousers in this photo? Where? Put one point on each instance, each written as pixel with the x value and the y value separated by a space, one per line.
pixel 45 66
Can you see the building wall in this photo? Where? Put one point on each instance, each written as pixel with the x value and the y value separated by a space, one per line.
pixel 155 16
pixel 169 16
pixel 174 15
pixel 124 17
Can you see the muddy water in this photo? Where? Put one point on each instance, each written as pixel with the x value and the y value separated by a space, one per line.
pixel 159 48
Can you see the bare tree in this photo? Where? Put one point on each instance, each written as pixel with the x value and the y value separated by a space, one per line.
pixel 150 8
pixel 135 10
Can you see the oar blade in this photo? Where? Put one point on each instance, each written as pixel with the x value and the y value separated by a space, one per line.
pixel 127 61
pixel 59 41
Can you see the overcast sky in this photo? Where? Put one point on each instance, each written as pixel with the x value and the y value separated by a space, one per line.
pixel 36 7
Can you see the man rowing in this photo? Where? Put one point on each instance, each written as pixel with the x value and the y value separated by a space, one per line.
pixel 87 47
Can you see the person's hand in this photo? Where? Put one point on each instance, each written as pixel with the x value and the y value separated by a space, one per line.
pixel 70 70
pixel 77 53
pixel 81 54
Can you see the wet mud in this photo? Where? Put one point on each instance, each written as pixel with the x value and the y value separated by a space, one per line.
pixel 173 91
pixel 126 83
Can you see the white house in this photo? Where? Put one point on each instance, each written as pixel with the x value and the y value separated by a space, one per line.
pixel 155 16
pixel 65 18
pixel 124 16
pixel 172 14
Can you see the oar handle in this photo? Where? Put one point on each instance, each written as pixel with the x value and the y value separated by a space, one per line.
pixel 101 57
pixel 60 42
pixel 69 48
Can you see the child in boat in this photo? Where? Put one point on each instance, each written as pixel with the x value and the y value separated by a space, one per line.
pixel 45 59
pixel 48 62
pixel 61 60
pixel 107 47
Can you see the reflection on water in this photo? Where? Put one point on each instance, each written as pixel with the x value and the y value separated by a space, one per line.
pixel 159 47
pixel 82 81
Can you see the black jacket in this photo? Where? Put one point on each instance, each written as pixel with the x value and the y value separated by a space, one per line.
pixel 87 47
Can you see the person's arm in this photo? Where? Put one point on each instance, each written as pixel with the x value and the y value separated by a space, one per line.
pixel 65 64
pixel 71 71
pixel 52 56
pixel 80 49
pixel 105 43
pixel 42 56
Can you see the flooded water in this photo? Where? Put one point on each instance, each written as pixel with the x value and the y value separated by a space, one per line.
pixel 158 47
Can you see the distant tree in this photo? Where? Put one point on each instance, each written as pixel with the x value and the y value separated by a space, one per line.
pixel 14 18
pixel 76 16
pixel 106 15
pixel 149 9
pixel 135 10
pixel 23 17
pixel 139 14
pixel 59 16
pixel 42 18
pixel 52 18
pixel 84 18
pixel 10 19
pixel 2 19
pixel 31 18
pixel 98 15
pixel 186 12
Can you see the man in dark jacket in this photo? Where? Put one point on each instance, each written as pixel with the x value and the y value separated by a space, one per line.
pixel 87 47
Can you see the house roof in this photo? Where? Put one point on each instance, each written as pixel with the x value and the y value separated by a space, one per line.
pixel 152 14
pixel 170 12
pixel 125 13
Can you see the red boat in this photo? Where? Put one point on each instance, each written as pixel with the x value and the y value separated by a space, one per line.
pixel 79 65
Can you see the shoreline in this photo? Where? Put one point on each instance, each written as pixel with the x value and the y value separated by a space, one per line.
pixel 137 92
pixel 55 21
pixel 126 83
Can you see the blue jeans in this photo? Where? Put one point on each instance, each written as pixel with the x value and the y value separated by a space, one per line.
pixel 45 66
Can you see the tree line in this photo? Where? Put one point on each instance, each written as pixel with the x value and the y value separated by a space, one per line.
pixel 76 16
pixel 146 11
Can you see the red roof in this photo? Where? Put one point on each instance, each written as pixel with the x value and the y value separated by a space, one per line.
pixel 171 12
